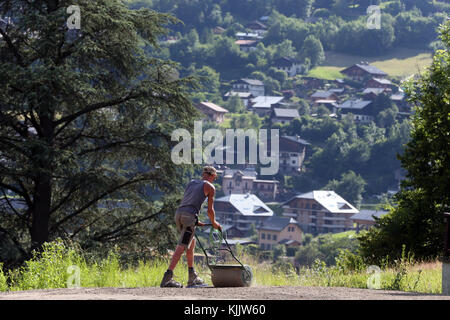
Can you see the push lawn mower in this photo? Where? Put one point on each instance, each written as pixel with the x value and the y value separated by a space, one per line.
pixel 225 275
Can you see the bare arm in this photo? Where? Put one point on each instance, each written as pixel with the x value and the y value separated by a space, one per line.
pixel 210 192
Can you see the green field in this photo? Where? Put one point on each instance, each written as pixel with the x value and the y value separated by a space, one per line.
pixel 54 270
pixel 399 63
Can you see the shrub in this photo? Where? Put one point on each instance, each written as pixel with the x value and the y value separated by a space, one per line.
pixel 48 268
pixel 3 283
pixel 349 262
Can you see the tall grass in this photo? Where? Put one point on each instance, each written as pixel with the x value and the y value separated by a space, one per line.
pixel 51 269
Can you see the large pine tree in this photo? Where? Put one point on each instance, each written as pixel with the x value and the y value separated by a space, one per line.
pixel 85 123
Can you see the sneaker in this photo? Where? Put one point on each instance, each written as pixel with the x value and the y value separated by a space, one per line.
pixel 168 282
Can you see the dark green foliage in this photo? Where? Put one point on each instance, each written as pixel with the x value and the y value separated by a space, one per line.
pixel 85 123
pixel 417 221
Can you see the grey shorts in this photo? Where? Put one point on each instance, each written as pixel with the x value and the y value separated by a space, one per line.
pixel 186 227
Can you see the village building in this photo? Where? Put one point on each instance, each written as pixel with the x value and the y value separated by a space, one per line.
pixel 247 45
pixel 360 109
pixel 245 97
pixel 254 86
pixel 380 83
pixel 290 65
pixel 364 71
pixel 283 116
pixel 248 36
pixel 324 95
pixel 320 212
pixel 365 219
pixel 292 151
pixel 236 181
pixel 241 211
pixel 279 230
pixel 373 93
pixel 212 111
pixel 263 105
pixel 257 27
pixel 218 30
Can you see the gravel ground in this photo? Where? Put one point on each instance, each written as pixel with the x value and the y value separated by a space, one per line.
pixel 252 293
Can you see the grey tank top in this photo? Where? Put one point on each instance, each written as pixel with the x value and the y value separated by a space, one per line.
pixel 193 198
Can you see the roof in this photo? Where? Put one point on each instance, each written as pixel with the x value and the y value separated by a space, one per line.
pixel 277 223
pixel 337 90
pixel 253 82
pixel 326 101
pixel 247 205
pixel 286 113
pixel 213 107
pixel 239 94
pixel 248 35
pixel 382 81
pixel 322 94
pixel 398 96
pixel 296 139
pixel 374 90
pixel 354 104
pixel 330 200
pixel 286 62
pixel 368 215
pixel 368 68
pixel 229 173
pixel 265 101
pixel 245 42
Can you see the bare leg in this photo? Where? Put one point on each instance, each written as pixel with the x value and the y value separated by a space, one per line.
pixel 176 257
pixel 190 254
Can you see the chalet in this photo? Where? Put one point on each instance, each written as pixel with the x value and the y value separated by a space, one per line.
pixel 290 65
pixel 360 109
pixel 400 101
pixel 255 87
pixel 219 30
pixel 283 116
pixel 380 83
pixel 292 151
pixel 312 83
pixel 245 97
pixel 330 104
pixel 263 105
pixel 324 95
pixel 366 219
pixel 236 181
pixel 212 111
pixel 320 211
pixel 257 27
pixel 241 211
pixel 247 45
pixel 364 71
pixel 248 36
pixel 373 93
pixel 279 230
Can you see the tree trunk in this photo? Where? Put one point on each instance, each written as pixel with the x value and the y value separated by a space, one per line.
pixel 41 213
pixel 43 187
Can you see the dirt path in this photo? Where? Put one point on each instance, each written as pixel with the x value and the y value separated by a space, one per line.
pixel 252 293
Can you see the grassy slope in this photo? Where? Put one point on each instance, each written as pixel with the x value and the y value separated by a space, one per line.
pixel 400 63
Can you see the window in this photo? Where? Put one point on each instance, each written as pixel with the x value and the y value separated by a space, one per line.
pixel 263 236
pixel 274 237
pixel 268 236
